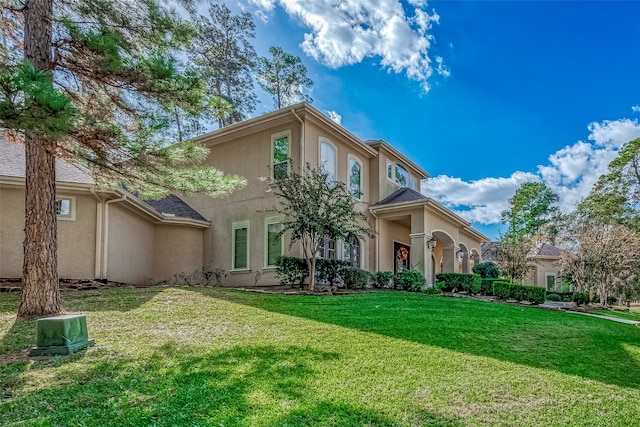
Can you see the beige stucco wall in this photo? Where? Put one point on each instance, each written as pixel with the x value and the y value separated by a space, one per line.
pixel 130 247
pixel 538 276
pixel 11 232
pixel 178 249
pixel 390 232
pixel 76 239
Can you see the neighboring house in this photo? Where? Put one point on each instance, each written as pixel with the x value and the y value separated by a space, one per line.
pixel 115 236
pixel 545 271
pixel 412 229
pixel 102 234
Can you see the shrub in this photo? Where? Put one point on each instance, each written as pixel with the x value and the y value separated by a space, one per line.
pixel 460 281
pixel 612 300
pixel 534 294
pixel 433 290
pixel 501 289
pixel 328 270
pixel 291 269
pixel 355 278
pixel 486 285
pixel 383 280
pixel 487 270
pixel 506 290
pixel 553 297
pixel 580 298
pixel 410 280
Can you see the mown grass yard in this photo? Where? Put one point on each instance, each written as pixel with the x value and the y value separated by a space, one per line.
pixel 214 357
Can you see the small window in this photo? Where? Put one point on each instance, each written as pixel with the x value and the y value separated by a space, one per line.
pixel 280 154
pixel 66 208
pixel 389 170
pixel 328 158
pixel 240 246
pixel 355 178
pixel 274 243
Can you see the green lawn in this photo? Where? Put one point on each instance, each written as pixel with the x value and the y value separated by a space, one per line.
pixel 213 357
pixel 632 314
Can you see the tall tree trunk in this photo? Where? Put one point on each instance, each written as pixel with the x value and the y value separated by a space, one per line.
pixel 40 291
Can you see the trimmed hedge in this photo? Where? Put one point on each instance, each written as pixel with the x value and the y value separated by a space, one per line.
pixel 554 297
pixel 290 270
pixel 506 290
pixel 486 285
pixel 384 280
pixel 460 281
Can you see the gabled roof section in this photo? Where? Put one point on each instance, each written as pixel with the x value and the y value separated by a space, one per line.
pixel 174 205
pixel 12 163
pixel 541 250
pixel 547 250
pixel 404 194
pixel 298 112
pixel 379 143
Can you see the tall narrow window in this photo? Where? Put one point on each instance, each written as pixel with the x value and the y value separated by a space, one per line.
pixel 280 154
pixel 240 246
pixel 274 243
pixel 352 251
pixel 328 251
pixel 355 178
pixel 414 183
pixel 390 170
pixel 328 159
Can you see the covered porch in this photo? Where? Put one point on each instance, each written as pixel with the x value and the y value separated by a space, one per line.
pixel 414 231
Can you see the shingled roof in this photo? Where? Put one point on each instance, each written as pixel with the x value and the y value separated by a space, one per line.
pixel 541 250
pixel 404 194
pixel 174 205
pixel 12 163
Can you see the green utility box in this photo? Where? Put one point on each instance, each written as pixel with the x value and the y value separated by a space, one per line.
pixel 61 335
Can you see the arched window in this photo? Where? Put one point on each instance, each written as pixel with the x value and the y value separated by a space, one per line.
pixel 328 158
pixel 355 177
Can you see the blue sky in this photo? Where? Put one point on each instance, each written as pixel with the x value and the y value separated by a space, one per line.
pixel 484 95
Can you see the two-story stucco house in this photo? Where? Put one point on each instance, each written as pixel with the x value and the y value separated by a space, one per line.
pixel 411 229
pixel 114 236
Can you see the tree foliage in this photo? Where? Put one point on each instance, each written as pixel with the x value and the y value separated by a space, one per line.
pixel 284 76
pixel 315 209
pixel 224 57
pixel 512 256
pixel 96 84
pixel 487 270
pixel 602 258
pixel 616 196
pixel 532 206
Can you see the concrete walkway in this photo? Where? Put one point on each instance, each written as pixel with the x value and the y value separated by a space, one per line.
pixel 615 319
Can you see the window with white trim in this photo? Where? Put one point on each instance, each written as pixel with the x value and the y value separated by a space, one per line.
pixel 328 158
pixel 400 176
pixel 274 242
pixel 352 251
pixel 551 281
pixel 280 154
pixel 355 177
pixel 66 208
pixel 240 246
pixel 328 251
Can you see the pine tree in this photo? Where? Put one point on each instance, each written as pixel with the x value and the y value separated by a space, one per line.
pixel 284 76
pixel 92 78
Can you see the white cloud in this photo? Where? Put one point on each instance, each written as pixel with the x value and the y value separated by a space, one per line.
pixel 635 108
pixel 347 32
pixel 334 116
pixel 478 201
pixel 571 173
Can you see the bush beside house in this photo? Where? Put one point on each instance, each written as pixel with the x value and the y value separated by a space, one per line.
pixel 455 282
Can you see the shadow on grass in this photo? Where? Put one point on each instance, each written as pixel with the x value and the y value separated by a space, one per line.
pixel 575 345
pixel 267 386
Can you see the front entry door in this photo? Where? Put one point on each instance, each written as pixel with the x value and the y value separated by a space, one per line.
pixel 402 255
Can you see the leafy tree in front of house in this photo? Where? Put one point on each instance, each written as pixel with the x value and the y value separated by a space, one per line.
pixel 532 206
pixel 284 76
pixel 96 83
pixel 511 255
pixel 316 208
